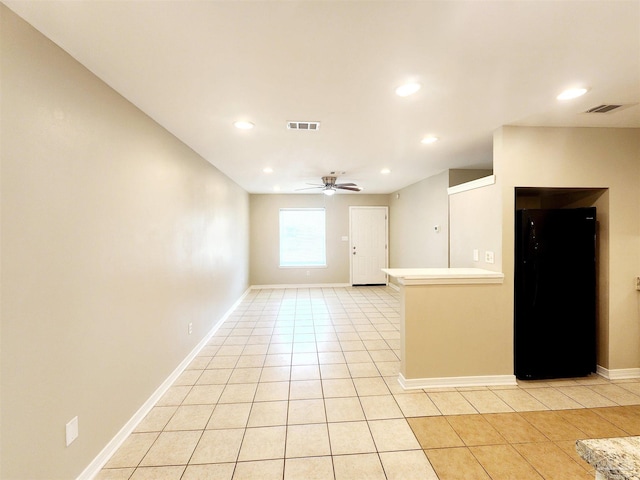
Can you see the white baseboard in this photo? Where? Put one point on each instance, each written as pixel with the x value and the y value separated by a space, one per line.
pixel 394 286
pixel 107 452
pixel 443 382
pixel 618 373
pixel 301 285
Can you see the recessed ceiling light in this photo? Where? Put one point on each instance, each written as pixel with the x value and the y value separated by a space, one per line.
pixel 243 125
pixel 267 170
pixel 385 171
pixel 427 140
pixel 408 89
pixel 572 93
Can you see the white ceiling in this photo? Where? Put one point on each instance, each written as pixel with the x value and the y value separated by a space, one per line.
pixel 197 66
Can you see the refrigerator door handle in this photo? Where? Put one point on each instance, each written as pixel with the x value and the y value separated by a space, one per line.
pixel 536 275
pixel 533 255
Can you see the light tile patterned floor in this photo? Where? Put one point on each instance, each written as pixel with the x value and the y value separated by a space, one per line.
pixel 302 384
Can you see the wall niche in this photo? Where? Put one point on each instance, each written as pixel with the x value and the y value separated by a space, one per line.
pixel 543 197
pixel 551 197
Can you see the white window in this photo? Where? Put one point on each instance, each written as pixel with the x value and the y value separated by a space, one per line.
pixel 302 237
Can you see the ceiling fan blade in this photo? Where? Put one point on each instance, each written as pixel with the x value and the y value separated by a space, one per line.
pixel 329 184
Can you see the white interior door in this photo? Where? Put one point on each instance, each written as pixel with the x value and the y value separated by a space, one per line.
pixel 368 245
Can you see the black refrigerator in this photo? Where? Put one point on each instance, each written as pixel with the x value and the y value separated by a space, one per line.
pixel 555 293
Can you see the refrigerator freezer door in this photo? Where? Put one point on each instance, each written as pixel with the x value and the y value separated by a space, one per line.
pixel 555 289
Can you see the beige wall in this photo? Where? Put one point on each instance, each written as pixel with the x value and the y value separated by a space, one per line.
pixel 475 223
pixel 454 331
pixel 414 212
pixel 265 210
pixel 115 235
pixel 592 158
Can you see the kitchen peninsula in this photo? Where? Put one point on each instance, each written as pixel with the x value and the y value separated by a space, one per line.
pixel 454 330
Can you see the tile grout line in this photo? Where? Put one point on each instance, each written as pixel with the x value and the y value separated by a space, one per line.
pixel 358 313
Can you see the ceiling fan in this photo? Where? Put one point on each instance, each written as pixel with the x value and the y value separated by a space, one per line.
pixel 329 186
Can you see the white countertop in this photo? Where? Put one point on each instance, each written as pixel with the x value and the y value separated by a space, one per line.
pixel 443 276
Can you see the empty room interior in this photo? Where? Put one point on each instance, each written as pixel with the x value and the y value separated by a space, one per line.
pixel 319 240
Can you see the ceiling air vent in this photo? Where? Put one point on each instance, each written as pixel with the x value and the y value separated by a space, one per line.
pixel 603 109
pixel 303 125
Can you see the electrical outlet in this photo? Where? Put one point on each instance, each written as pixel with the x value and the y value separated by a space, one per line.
pixel 71 430
pixel 190 328
pixel 488 257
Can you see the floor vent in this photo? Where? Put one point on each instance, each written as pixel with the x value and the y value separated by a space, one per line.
pixel 303 125
pixel 603 109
